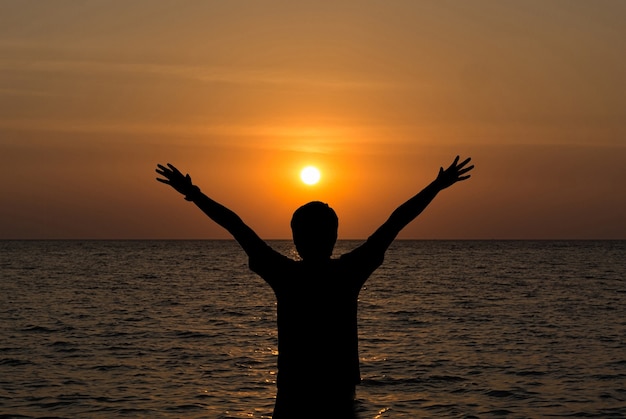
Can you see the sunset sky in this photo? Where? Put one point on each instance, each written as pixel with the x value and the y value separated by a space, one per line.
pixel 377 94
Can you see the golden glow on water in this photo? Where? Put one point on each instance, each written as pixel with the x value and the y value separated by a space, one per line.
pixel 381 413
pixel 441 322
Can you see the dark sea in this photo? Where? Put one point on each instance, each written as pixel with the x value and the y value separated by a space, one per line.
pixel 182 329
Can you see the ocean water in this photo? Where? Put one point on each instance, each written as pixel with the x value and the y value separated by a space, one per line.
pixel 182 329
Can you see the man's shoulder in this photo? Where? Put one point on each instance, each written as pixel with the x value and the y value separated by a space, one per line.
pixel 366 251
pixel 268 260
pixel 364 259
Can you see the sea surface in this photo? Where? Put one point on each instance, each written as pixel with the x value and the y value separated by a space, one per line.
pixel 182 329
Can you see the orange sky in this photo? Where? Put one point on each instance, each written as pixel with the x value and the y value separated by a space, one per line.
pixel 377 94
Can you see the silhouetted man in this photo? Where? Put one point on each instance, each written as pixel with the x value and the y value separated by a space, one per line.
pixel 318 360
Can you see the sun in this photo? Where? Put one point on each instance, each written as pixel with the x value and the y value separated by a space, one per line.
pixel 310 175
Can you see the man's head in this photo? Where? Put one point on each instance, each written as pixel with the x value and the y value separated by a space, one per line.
pixel 314 227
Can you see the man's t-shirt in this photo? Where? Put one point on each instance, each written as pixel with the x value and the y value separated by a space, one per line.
pixel 317 314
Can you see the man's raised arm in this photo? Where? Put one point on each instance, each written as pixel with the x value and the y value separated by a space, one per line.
pixel 223 216
pixel 407 212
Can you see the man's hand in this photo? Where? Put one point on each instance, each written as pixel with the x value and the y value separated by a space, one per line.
pixel 174 178
pixel 453 174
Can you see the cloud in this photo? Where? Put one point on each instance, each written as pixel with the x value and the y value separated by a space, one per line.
pixel 17 63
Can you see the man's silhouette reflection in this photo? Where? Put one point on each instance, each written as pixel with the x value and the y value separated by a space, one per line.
pixel 318 360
